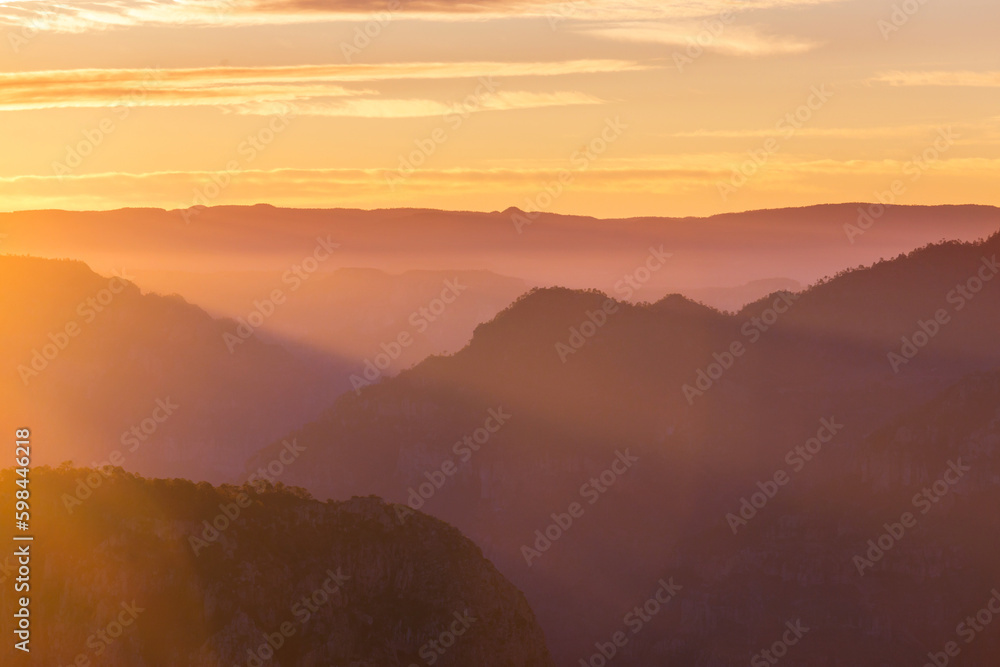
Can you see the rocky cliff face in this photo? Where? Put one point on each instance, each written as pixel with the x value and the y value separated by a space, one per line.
pixel 135 572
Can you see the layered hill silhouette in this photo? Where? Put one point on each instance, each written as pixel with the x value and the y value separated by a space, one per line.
pixel 350 313
pixel 726 251
pixel 286 580
pixel 554 395
pixel 105 373
pixel 601 452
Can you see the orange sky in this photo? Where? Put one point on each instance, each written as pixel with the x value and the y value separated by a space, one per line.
pixel 609 109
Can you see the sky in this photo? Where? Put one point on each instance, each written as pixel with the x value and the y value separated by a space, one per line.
pixel 610 109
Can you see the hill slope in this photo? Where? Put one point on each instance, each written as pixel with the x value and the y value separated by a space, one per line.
pixel 578 381
pixel 96 367
pixel 289 581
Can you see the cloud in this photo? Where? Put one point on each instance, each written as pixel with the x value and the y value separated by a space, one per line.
pixel 344 73
pixel 153 94
pixel 316 88
pixel 821 132
pixel 88 15
pixel 366 188
pixel 420 108
pixel 968 178
pixel 587 10
pixel 938 78
pixel 727 39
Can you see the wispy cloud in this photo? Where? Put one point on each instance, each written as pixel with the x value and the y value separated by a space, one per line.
pixel 317 89
pixel 418 108
pixel 320 187
pixel 86 15
pixel 821 132
pixel 733 40
pixel 939 78
pixel 588 10
pixel 210 76
pixel 617 182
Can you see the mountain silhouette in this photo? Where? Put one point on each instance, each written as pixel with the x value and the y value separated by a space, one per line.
pixel 104 372
pixel 711 405
pixel 283 580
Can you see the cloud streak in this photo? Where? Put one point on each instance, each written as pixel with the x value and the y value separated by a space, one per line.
pixel 731 40
pixel 89 15
pixel 939 78
pixel 844 180
pixel 820 132
pixel 420 108
pixel 316 89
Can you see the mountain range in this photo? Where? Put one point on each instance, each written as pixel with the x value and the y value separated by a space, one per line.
pixel 611 456
pixel 712 406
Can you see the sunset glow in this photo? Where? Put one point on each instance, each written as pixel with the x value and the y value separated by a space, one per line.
pixel 482 105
